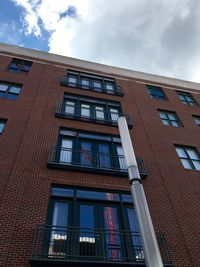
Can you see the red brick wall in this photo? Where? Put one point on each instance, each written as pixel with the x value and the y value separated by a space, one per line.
pixel 172 192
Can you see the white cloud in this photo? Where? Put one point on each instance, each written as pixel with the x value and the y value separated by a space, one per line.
pixel 160 37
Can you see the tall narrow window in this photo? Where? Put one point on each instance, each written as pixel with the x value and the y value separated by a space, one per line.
pixel 85 83
pixel 97 85
pixel 189 157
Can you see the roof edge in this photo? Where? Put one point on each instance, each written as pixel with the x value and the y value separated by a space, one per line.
pixel 41 55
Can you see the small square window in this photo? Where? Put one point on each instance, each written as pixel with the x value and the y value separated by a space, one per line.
pixel 9 91
pixel 156 92
pixel 19 65
pixel 2 125
pixel 169 118
pixel 186 98
pixel 197 120
pixel 189 157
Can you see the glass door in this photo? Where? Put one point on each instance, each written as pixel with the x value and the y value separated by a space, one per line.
pixel 59 235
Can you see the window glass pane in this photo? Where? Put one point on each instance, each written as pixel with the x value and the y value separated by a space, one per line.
pixel 85 83
pixel 165 122
pixel 66 151
pixel 99 112
pixel 103 156
pixel 127 198
pixel 11 96
pixel 192 154
pixel 186 164
pixel 97 195
pixel 25 67
pixel 95 136
pixel 72 81
pixel 14 89
pixel 172 116
pixel 59 232
pixel 3 87
pixel 64 192
pixel 97 84
pixel 136 239
pixel 175 124
pixel 2 125
pixel 114 114
pixel 85 110
pixel 109 86
pixel 60 214
pixel 163 115
pixel 189 98
pixel 86 156
pixel 196 164
pixel 86 216
pixel 69 107
pixel 181 152
pixel 69 133
pixel 2 94
pixel 111 224
pixel 121 159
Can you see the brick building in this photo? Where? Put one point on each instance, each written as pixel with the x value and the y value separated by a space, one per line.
pixel 65 198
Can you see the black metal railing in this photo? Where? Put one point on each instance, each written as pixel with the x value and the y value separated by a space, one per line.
pixel 91 161
pixel 84 244
pixel 106 117
pixel 116 90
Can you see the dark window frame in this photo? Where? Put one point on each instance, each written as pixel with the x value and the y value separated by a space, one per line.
pixel 168 119
pixel 188 158
pixel 100 111
pixel 156 92
pixel 187 98
pixel 8 94
pixel 106 84
pixel 18 65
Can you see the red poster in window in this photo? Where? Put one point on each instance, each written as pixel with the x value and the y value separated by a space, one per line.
pixel 111 237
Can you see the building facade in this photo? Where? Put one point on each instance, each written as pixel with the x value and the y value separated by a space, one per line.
pixel 65 198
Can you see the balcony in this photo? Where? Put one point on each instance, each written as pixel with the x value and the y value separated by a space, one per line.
pixel 89 161
pixel 114 90
pixel 73 246
pixel 107 118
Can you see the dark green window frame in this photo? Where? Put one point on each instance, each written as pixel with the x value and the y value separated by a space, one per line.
pixel 87 81
pixel 156 92
pixel 186 98
pixel 169 118
pixel 20 66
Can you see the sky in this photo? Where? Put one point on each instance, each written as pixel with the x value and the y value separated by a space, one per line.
pixel 154 36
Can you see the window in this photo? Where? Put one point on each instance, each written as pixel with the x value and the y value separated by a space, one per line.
pixel 170 118
pixel 19 65
pixel 91 150
pixel 156 92
pixel 197 120
pixel 91 82
pixel 91 109
pixel 92 219
pixel 186 98
pixel 10 91
pixel 189 157
pixel 2 125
